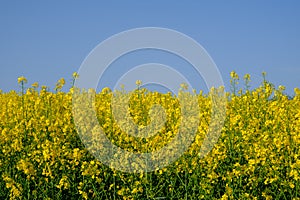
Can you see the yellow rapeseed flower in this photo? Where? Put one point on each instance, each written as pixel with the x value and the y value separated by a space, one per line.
pixel 22 79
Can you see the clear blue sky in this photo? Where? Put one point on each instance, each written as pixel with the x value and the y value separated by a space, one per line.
pixel 47 40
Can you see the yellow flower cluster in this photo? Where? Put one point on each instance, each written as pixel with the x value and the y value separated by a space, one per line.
pixel 42 155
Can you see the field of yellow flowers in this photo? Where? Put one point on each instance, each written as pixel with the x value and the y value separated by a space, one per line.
pixel 256 157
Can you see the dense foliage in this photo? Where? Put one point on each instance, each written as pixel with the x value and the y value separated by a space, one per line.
pixel 256 156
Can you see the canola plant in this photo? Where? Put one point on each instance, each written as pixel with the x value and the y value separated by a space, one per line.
pixel 42 155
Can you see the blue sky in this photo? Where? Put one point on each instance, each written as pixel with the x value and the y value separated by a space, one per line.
pixel 45 41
